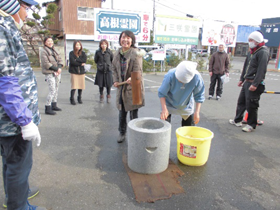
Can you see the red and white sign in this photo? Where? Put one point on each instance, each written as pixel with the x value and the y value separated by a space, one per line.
pixel 215 33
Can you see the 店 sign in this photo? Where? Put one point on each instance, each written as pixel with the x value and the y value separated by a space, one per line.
pixel 215 33
pixel 176 30
pixel 110 23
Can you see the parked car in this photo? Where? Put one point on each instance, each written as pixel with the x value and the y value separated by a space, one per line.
pixel 201 52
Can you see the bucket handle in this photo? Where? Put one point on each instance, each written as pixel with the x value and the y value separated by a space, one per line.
pixel 151 149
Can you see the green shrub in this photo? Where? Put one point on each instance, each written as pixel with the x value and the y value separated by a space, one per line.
pixel 147 65
pixel 175 60
pixel 190 56
pixel 200 63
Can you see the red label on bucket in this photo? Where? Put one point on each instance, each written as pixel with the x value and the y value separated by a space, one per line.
pixel 188 151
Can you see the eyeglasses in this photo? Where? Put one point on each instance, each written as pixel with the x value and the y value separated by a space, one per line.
pixel 27 8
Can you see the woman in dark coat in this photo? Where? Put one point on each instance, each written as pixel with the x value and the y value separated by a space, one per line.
pixel 103 59
pixel 78 60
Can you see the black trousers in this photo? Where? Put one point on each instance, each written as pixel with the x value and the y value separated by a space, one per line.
pixel 187 122
pixel 122 118
pixel 16 163
pixel 73 93
pixel 101 89
pixel 216 78
pixel 249 100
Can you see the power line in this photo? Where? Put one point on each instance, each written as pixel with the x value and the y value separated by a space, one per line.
pixel 169 7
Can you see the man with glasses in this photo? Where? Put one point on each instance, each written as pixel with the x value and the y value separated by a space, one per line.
pixel 218 66
pixel 19 113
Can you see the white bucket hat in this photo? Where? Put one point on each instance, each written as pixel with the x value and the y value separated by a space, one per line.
pixel 185 71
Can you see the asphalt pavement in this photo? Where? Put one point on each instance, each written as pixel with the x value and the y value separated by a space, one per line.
pixel 79 163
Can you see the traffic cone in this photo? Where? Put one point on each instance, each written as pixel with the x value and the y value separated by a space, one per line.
pixel 244 121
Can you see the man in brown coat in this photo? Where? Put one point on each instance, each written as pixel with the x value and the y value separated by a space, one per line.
pixel 218 66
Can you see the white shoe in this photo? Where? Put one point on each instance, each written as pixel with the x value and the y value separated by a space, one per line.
pixel 239 124
pixel 248 128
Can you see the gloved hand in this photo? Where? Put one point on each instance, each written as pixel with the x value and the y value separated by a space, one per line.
pixel 30 132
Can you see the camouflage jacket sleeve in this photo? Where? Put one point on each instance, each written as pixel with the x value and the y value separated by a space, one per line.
pixel 11 98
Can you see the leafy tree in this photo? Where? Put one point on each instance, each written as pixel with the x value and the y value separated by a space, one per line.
pixel 37 28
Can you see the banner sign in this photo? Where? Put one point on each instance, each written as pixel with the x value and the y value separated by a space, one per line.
pixel 215 32
pixel 244 32
pixel 110 23
pixel 176 30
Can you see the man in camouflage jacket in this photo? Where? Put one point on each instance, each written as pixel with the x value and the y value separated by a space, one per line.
pixel 19 114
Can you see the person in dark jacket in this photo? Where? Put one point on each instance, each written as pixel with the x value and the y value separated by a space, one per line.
pixel 103 59
pixel 77 59
pixel 252 82
pixel 218 66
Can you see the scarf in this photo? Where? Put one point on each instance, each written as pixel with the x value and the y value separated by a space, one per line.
pixel 123 63
pixel 253 50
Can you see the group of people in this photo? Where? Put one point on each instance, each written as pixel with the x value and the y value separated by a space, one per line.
pixel 52 64
pixel 251 80
pixel 181 92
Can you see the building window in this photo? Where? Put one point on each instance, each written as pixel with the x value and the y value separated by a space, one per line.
pixel 60 15
pixel 273 52
pixel 85 13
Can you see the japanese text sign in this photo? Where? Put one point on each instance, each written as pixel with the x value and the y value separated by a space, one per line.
pixel 110 23
pixel 176 30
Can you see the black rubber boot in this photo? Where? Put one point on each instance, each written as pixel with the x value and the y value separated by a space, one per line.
pixel 79 98
pixel 72 101
pixel 49 110
pixel 54 107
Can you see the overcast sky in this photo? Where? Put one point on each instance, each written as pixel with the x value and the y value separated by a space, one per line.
pixel 242 12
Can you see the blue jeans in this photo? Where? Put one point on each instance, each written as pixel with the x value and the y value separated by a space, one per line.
pixel 17 163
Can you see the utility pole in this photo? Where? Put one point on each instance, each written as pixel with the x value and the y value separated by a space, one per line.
pixel 154 18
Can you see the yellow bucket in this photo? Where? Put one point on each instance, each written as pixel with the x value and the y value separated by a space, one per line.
pixel 193 145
